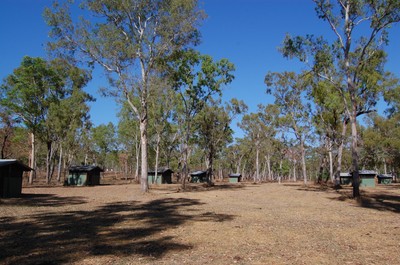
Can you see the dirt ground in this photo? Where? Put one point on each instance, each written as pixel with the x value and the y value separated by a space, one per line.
pixel 226 224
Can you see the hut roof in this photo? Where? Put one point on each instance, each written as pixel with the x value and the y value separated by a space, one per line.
pixel 197 173
pixel 6 162
pixel 385 176
pixel 367 172
pixel 235 175
pixel 84 168
pixel 345 174
pixel 160 170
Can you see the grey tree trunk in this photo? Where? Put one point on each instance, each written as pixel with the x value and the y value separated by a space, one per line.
pixel 143 142
pixel 59 164
pixel 32 161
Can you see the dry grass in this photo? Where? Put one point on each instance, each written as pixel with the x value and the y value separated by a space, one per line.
pixel 224 224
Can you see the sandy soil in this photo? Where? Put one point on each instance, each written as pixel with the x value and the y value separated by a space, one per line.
pixel 225 224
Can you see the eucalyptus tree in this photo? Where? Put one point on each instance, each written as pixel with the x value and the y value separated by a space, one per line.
pixel 289 90
pixel 330 124
pixel 129 137
pixel 254 129
pixel 8 125
pixel 214 131
pixel 380 143
pixel 196 78
pixel 269 116
pixel 36 93
pixel 162 105
pixel 104 139
pixel 353 60
pixel 127 39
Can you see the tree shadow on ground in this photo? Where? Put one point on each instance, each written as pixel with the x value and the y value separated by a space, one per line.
pixel 381 202
pixel 196 187
pixel 206 187
pixel 37 200
pixel 119 229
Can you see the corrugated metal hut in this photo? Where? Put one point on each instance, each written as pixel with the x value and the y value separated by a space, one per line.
pixel 367 178
pixel 164 176
pixel 235 178
pixel 346 178
pixel 198 176
pixel 84 176
pixel 385 179
pixel 11 171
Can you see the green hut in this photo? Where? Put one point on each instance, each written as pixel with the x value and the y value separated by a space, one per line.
pixel 367 178
pixel 235 178
pixel 164 176
pixel 385 179
pixel 84 176
pixel 198 177
pixel 346 178
pixel 11 171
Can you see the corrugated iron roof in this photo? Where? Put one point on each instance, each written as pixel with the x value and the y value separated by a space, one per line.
pixel 84 168
pixel 196 173
pixel 6 162
pixel 160 170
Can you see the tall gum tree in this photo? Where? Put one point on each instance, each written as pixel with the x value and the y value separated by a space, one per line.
pixel 353 59
pixel 127 39
pixel 195 78
pixel 35 93
pixel 289 91
pixel 214 131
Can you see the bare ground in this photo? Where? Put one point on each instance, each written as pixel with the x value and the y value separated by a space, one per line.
pixel 225 224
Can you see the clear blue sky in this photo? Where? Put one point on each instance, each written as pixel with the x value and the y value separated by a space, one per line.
pixel 247 32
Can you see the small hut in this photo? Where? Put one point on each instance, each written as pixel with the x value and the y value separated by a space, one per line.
pixel 346 178
pixel 83 176
pixel 385 179
pixel 367 178
pixel 235 178
pixel 11 171
pixel 164 176
pixel 198 177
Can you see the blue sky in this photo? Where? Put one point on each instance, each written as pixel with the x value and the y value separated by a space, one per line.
pixel 247 32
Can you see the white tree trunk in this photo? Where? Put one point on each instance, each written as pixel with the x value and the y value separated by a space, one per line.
pixel 59 164
pixel 32 161
pixel 143 142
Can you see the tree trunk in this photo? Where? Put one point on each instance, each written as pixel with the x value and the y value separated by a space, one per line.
pixel 157 155
pixel 354 155
pixel 59 164
pixel 185 168
pixel 137 144
pixel 257 175
pixel 280 171
pixel 384 166
pixel 49 162
pixel 268 158
pixel 32 159
pixel 303 161
pixel 331 175
pixel 143 143
pixel 340 154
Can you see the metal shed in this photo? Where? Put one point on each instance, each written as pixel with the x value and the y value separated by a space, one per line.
pixel 235 178
pixel 367 178
pixel 346 178
pixel 164 176
pixel 84 176
pixel 198 176
pixel 385 179
pixel 11 177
